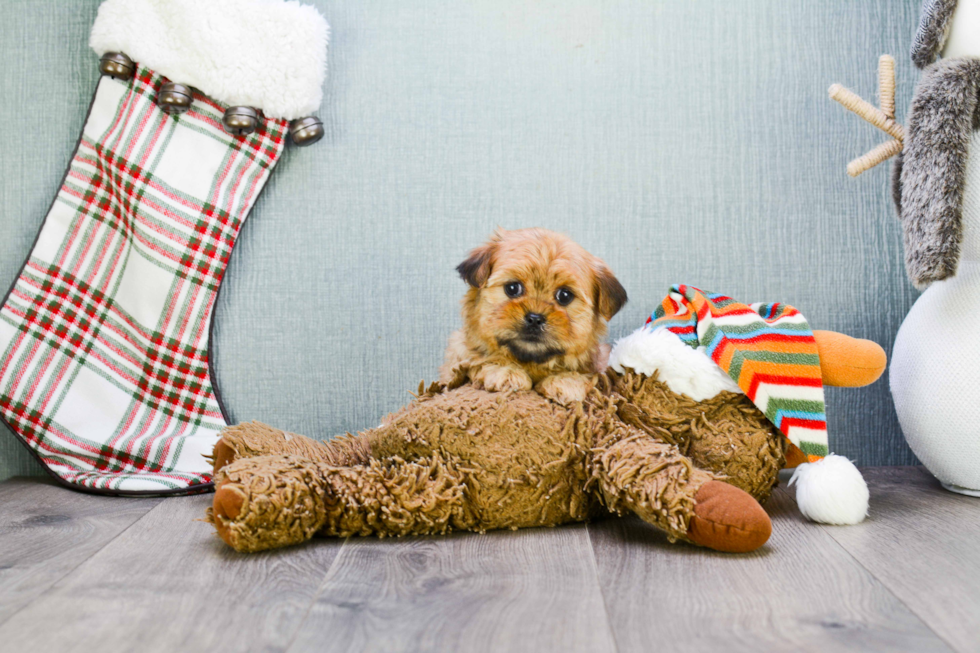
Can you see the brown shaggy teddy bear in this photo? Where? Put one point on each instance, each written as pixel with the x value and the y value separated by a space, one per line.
pixel 462 458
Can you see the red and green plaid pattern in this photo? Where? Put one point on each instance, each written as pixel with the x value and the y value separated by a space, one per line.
pixel 767 349
pixel 104 370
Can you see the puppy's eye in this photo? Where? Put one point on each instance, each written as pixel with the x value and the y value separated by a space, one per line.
pixel 514 289
pixel 564 296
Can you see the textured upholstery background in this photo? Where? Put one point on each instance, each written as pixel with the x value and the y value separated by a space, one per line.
pixel 679 140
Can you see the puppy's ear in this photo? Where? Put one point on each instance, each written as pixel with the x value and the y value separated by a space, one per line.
pixel 475 270
pixel 611 296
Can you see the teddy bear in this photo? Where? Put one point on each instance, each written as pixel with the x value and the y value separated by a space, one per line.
pixel 664 434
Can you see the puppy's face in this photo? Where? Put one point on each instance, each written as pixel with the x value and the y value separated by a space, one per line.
pixel 538 298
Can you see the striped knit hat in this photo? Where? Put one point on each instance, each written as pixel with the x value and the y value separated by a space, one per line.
pixel 767 349
pixel 769 352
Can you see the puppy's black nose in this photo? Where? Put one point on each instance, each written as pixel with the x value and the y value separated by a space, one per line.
pixel 534 321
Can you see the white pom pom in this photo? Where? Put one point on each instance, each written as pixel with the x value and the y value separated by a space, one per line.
pixel 831 491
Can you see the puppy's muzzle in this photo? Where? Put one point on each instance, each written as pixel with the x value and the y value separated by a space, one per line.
pixel 534 324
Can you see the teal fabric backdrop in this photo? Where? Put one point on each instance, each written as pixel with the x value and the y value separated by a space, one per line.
pixel 681 141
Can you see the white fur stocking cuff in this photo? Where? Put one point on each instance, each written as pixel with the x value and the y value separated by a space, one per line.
pixel 266 54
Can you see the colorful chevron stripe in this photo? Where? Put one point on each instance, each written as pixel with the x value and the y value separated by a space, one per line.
pixel 767 349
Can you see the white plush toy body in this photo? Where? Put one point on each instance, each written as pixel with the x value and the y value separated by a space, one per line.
pixel 935 371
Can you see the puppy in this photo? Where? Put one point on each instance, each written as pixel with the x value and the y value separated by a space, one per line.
pixel 534 316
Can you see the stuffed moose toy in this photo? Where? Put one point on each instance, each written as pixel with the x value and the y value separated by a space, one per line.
pixel 665 434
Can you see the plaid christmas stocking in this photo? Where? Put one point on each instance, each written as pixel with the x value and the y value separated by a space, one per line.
pixel 104 368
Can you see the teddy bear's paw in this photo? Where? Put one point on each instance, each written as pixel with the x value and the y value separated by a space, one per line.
pixel 728 519
pixel 229 499
pixel 500 378
pixel 565 389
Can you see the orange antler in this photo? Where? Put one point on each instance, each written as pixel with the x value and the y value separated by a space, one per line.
pixel 883 118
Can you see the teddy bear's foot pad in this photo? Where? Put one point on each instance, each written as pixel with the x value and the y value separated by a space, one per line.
pixel 227 506
pixel 728 519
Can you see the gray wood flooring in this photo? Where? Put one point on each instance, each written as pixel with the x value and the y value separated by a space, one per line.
pixel 85 573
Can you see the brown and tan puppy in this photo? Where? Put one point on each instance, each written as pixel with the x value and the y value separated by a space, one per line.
pixel 534 316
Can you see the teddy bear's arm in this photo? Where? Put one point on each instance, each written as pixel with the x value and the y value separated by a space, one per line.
pixel 653 479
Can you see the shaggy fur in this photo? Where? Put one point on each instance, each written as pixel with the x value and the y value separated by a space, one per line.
pixel 897 183
pixel 495 343
pixel 933 168
pixel 933 31
pixel 461 458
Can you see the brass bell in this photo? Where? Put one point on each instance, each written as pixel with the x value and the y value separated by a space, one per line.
pixel 306 131
pixel 174 99
pixel 116 65
pixel 240 120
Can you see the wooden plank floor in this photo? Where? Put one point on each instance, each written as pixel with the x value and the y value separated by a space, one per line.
pixel 85 573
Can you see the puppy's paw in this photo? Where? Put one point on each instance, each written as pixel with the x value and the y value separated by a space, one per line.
pixel 499 378
pixel 565 388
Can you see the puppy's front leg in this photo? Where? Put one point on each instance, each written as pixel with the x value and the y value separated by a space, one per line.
pixel 501 378
pixel 565 388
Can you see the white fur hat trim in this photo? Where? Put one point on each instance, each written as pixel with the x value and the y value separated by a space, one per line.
pixel 661 354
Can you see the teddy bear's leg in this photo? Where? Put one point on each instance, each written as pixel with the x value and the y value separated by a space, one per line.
pixel 725 434
pixel 425 496
pixel 733 439
pixel 268 501
pixel 663 487
pixel 251 439
pixel 273 501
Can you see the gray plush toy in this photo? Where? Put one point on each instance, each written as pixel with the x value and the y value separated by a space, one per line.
pixel 931 178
